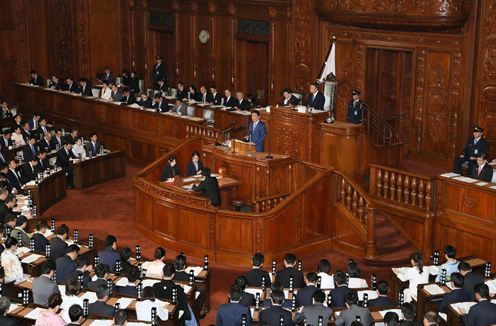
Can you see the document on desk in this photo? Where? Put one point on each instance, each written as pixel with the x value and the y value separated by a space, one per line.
pixel 148 282
pixel 465 179
pixel 196 270
pixel 433 289
pixel 492 285
pixel 107 322
pixel 31 258
pixel 125 302
pixel 91 296
pixel 397 311
pixel 450 175
pixel 12 307
pixel 34 313
pixel 123 281
pixel 462 307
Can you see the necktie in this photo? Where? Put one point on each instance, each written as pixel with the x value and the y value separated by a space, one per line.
pixel 480 170
pixel 94 147
pixel 32 149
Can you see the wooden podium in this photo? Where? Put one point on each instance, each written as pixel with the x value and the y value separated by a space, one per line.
pixel 241 147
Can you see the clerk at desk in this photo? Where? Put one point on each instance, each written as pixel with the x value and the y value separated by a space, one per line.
pixel 257 131
pixel 209 187
pixel 171 170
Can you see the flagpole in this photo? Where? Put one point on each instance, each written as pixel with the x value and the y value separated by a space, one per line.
pixel 333 41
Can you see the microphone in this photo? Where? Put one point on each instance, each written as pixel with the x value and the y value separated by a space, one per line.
pixel 229 128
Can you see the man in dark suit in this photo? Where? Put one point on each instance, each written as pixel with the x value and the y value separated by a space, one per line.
pixel 158 71
pixel 144 101
pixel 75 315
pixel 85 87
pixel 242 103
pixel 5 141
pixel 102 272
pixel 247 299
pixel 42 128
pixel 271 316
pixel 58 246
pixel 470 279
pixel 17 123
pixel 83 270
pixel 457 295
pixel 229 100
pixel 43 163
pixel 339 292
pixel 115 94
pixel 161 87
pixel 382 300
pixel 29 170
pixel 171 170
pixel 73 136
pixel 93 146
pixel 4 307
pixel 36 79
pixel 128 97
pixel 355 108
pixel 182 93
pixel 159 104
pixel 276 286
pixel 180 273
pixel 312 312
pixel 256 131
pixel 13 177
pixel 126 266
pixel 206 97
pixel 216 97
pixel 99 307
pixel 71 86
pixel 26 131
pixel 232 313
pixel 482 171
pixel 56 84
pixel 304 296
pixel 109 255
pixel 6 209
pixel 255 275
pixel 133 277
pixel 57 140
pixel 315 99
pixel 484 312
pixel 346 317
pixel 30 151
pixel 45 143
pixel 163 290
pixel 475 145
pixel 289 98
pixel 64 160
pixel 289 270
pixel 408 310
pixel 66 265
pixel 40 241
pixel 107 76
pixel 209 187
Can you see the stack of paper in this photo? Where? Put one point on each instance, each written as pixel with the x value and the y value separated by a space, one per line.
pixel 465 179
pixel 124 302
pixel 91 296
pixel 196 270
pixel 371 294
pixel 450 175
pixel 103 323
pixel 123 281
pixel 492 286
pixel 462 307
pixel 34 313
pixel 433 289
pixel 31 258
pixel 149 282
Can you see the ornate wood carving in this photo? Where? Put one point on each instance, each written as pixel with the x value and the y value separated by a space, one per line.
pixel 60 41
pixel 22 39
pixel 81 13
pixel 125 33
pixel 302 17
pixel 287 141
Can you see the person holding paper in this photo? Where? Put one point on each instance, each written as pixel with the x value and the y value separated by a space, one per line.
pixel 256 131
pixel 414 275
pixel 475 145
pixel 457 295
pixel 144 306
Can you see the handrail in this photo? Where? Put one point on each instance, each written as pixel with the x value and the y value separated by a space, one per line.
pixel 267 203
pixel 357 203
pixel 382 131
pixel 409 189
pixel 195 130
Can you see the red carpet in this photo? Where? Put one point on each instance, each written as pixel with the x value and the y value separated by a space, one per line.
pixel 108 208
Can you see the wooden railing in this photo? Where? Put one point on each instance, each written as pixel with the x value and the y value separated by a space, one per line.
pixel 263 205
pixel 194 130
pixel 412 190
pixel 358 204
pixel 382 132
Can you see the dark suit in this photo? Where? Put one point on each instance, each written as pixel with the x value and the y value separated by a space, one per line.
pixel 216 99
pixel 311 314
pixel 45 145
pixel 100 308
pixel 40 242
pixel 316 101
pixel 243 105
pixel 181 276
pixel 73 88
pixel 163 290
pixel 283 276
pixel 382 302
pixel 182 94
pixel 355 112
pixel 66 269
pixel 92 285
pixel 410 323
pixel 170 172
pixel 132 83
pixel 271 316
pixel 257 135
pixel 206 98
pixel 161 106
pixel 470 280
pixel 55 141
pixel 482 314
pixel 4 210
pixel 43 165
pixel 192 170
pixel 210 188
pixel 471 150
pixel 231 102
pixel 254 277
pixel 109 256
pixel 63 160
pixel 129 290
pixel 267 303
pixel 131 99
pixel 107 78
pixel 38 81
pixel 5 143
pixel 86 277
pixel 304 296
pixel 485 175
pixel 28 172
pixel 58 248
pixel 293 100
pixel 94 148
pixel 158 72
pixel 29 152
pixel 14 179
pixel 195 96
pixel 86 90
pixel 247 299
pixel 145 103
pixel 455 296
pixel 338 295
pixel 230 314
pixel 7 321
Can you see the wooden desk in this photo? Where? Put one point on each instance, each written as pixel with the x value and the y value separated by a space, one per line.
pixel 99 169
pixel 49 191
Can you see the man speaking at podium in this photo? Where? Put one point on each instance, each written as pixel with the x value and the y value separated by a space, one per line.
pixel 256 131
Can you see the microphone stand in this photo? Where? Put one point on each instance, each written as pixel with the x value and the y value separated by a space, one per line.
pixel 268 147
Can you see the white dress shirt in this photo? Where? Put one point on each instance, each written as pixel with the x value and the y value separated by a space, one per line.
pixel 326 280
pixel 106 93
pixel 154 268
pixel 413 276
pixel 144 310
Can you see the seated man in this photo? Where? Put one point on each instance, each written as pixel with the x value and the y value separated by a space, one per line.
pixel 84 87
pixel 457 295
pixel 43 286
pixel 144 101
pixel 256 131
pixel 20 228
pixel 382 300
pixel 231 313
pixel 82 268
pixel 125 255
pixel 120 318
pixel 128 97
pixel 171 170
pixel 247 298
pixel 229 100
pixel 30 150
pixel 339 293
pixel 43 163
pixel 58 246
pixel 4 307
pixel 346 317
pixel 312 312
pixel 30 170
pixel 94 145
pixel 209 187
pixel 484 312
pixel 66 265
pixel 315 99
pixel 408 310
pixel 304 296
pixel 451 264
pixel 475 145
pixel 13 177
pixel 242 103
pixel 289 98
pixel 180 266
pixel 160 104
pixel 431 318
pixel 6 209
pixel 272 315
pixel 482 171
pixel 102 272
pixel 255 275
pixel 109 255
pixel 99 307
pixel 289 270
pixel 276 286
pixel 40 241
pixel 180 107
pixel 131 289
pixel 470 279
pixel 182 93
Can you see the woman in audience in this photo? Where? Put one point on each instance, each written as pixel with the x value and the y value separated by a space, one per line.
pixel 323 269
pixel 106 92
pixel 11 263
pixel 51 317
pixel 72 288
pixel 154 268
pixel 415 275
pixel 78 149
pixel 195 165
pixel 144 308
pixel 17 138
pixel 355 281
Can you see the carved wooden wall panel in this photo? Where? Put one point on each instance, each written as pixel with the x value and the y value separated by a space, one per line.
pixel 303 17
pixel 82 38
pixel 8 55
